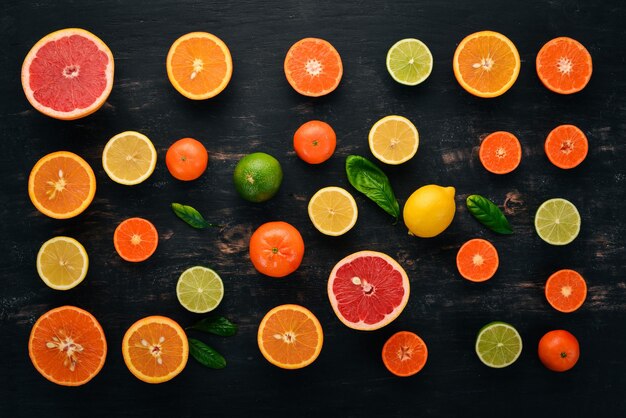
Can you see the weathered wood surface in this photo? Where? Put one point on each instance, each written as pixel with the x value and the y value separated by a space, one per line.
pixel 259 112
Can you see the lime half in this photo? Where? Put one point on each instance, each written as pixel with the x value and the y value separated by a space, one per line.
pixel 557 221
pixel 199 289
pixel 409 61
pixel 498 344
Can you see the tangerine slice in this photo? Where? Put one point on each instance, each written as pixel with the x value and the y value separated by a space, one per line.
pixel 564 65
pixel 566 146
pixel 500 152
pixel 566 290
pixel 135 239
pixel 477 260
pixel 405 354
pixel 313 67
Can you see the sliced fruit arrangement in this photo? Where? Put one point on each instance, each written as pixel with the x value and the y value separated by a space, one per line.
pixel 566 290
pixel 498 344
pixel 258 177
pixel 290 337
pixel 566 146
pixel 559 350
pixel 199 65
pixel 405 354
pixel 129 158
pixel 67 346
pixel 61 185
pixel 68 74
pixel 135 239
pixel 557 221
pixel 62 263
pixel 333 211
pixel 368 290
pixel 199 289
pixel 313 67
pixel 155 349
pixel 477 260
pixel 187 159
pixel 393 140
pixel 315 142
pixel 486 64
pixel 276 249
pixel 409 61
pixel 564 65
pixel 429 210
pixel 500 152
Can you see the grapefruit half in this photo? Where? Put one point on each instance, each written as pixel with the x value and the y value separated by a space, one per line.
pixel 368 290
pixel 68 74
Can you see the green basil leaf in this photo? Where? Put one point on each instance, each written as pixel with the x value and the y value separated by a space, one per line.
pixel 216 325
pixel 487 213
pixel 370 180
pixel 191 216
pixel 205 355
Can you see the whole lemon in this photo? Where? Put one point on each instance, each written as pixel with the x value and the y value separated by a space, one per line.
pixel 429 210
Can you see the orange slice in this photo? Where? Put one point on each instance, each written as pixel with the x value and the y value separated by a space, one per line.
pixel 566 290
pixel 313 67
pixel 61 185
pixel 405 354
pixel 500 152
pixel 486 64
pixel 67 346
pixel 566 146
pixel 199 65
pixel 135 239
pixel 155 349
pixel 564 65
pixel 290 337
pixel 477 260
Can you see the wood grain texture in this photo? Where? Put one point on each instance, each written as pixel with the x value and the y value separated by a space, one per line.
pixel 259 111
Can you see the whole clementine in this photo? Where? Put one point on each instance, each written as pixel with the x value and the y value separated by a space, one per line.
pixel 276 249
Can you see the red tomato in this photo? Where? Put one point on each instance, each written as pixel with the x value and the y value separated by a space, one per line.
pixel 315 142
pixel 276 249
pixel 187 159
pixel 559 350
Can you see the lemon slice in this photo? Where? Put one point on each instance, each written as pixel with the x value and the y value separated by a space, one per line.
pixel 498 345
pixel 62 263
pixel 394 140
pixel 557 221
pixel 333 211
pixel 199 289
pixel 129 158
pixel 409 61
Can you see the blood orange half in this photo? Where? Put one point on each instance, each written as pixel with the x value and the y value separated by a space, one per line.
pixel 68 74
pixel 368 290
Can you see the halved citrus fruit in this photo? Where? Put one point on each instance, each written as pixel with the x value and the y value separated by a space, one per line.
pixel 333 211
pixel 393 140
pixel 498 344
pixel 313 67
pixel 566 290
pixel 62 263
pixel 557 221
pixel 199 65
pixel 199 289
pixel 61 185
pixel 67 346
pixel 409 61
pixel 155 349
pixel 68 74
pixel 135 239
pixel 129 158
pixel 477 260
pixel 564 65
pixel 486 64
pixel 405 354
pixel 500 152
pixel 566 146
pixel 368 290
pixel 290 337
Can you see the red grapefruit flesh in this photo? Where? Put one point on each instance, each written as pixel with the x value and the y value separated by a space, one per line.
pixel 368 290
pixel 68 74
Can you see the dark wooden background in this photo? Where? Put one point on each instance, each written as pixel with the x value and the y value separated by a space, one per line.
pixel 259 112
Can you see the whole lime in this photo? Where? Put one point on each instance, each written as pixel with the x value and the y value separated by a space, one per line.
pixel 258 177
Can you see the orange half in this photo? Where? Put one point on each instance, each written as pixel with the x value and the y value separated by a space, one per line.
pixel 199 65
pixel 564 65
pixel 313 67
pixel 135 239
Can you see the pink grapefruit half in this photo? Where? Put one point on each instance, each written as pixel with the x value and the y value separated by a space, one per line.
pixel 368 290
pixel 68 74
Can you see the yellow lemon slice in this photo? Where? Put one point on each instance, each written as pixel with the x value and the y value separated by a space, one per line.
pixel 62 263
pixel 333 211
pixel 129 158
pixel 394 140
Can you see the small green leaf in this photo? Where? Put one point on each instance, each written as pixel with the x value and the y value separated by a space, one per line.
pixel 191 216
pixel 205 355
pixel 370 180
pixel 216 325
pixel 487 213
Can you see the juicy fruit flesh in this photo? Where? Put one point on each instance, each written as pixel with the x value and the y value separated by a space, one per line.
pixel 405 353
pixel 135 239
pixel 566 146
pixel 62 263
pixel 200 289
pixel 477 260
pixel 130 157
pixel 557 221
pixel 500 152
pixel 313 67
pixel 394 140
pixel 333 211
pixel 429 210
pixel 498 345
pixel 566 290
pixel 564 65
pixel 409 61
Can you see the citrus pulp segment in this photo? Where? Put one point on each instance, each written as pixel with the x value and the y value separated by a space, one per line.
pixel 199 289
pixel 500 152
pixel 135 239
pixel 566 146
pixel 557 221
pixel 404 354
pixel 313 67
pixel 290 337
pixel 393 139
pixel 498 344
pixel 409 61
pixel 477 260
pixel 62 263
pixel 566 290
pixel 333 211
pixel 68 74
pixel 129 158
pixel 368 290
pixel 564 65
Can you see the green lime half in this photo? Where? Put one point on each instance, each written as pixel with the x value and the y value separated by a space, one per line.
pixel 409 61
pixel 199 289
pixel 557 221
pixel 498 344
